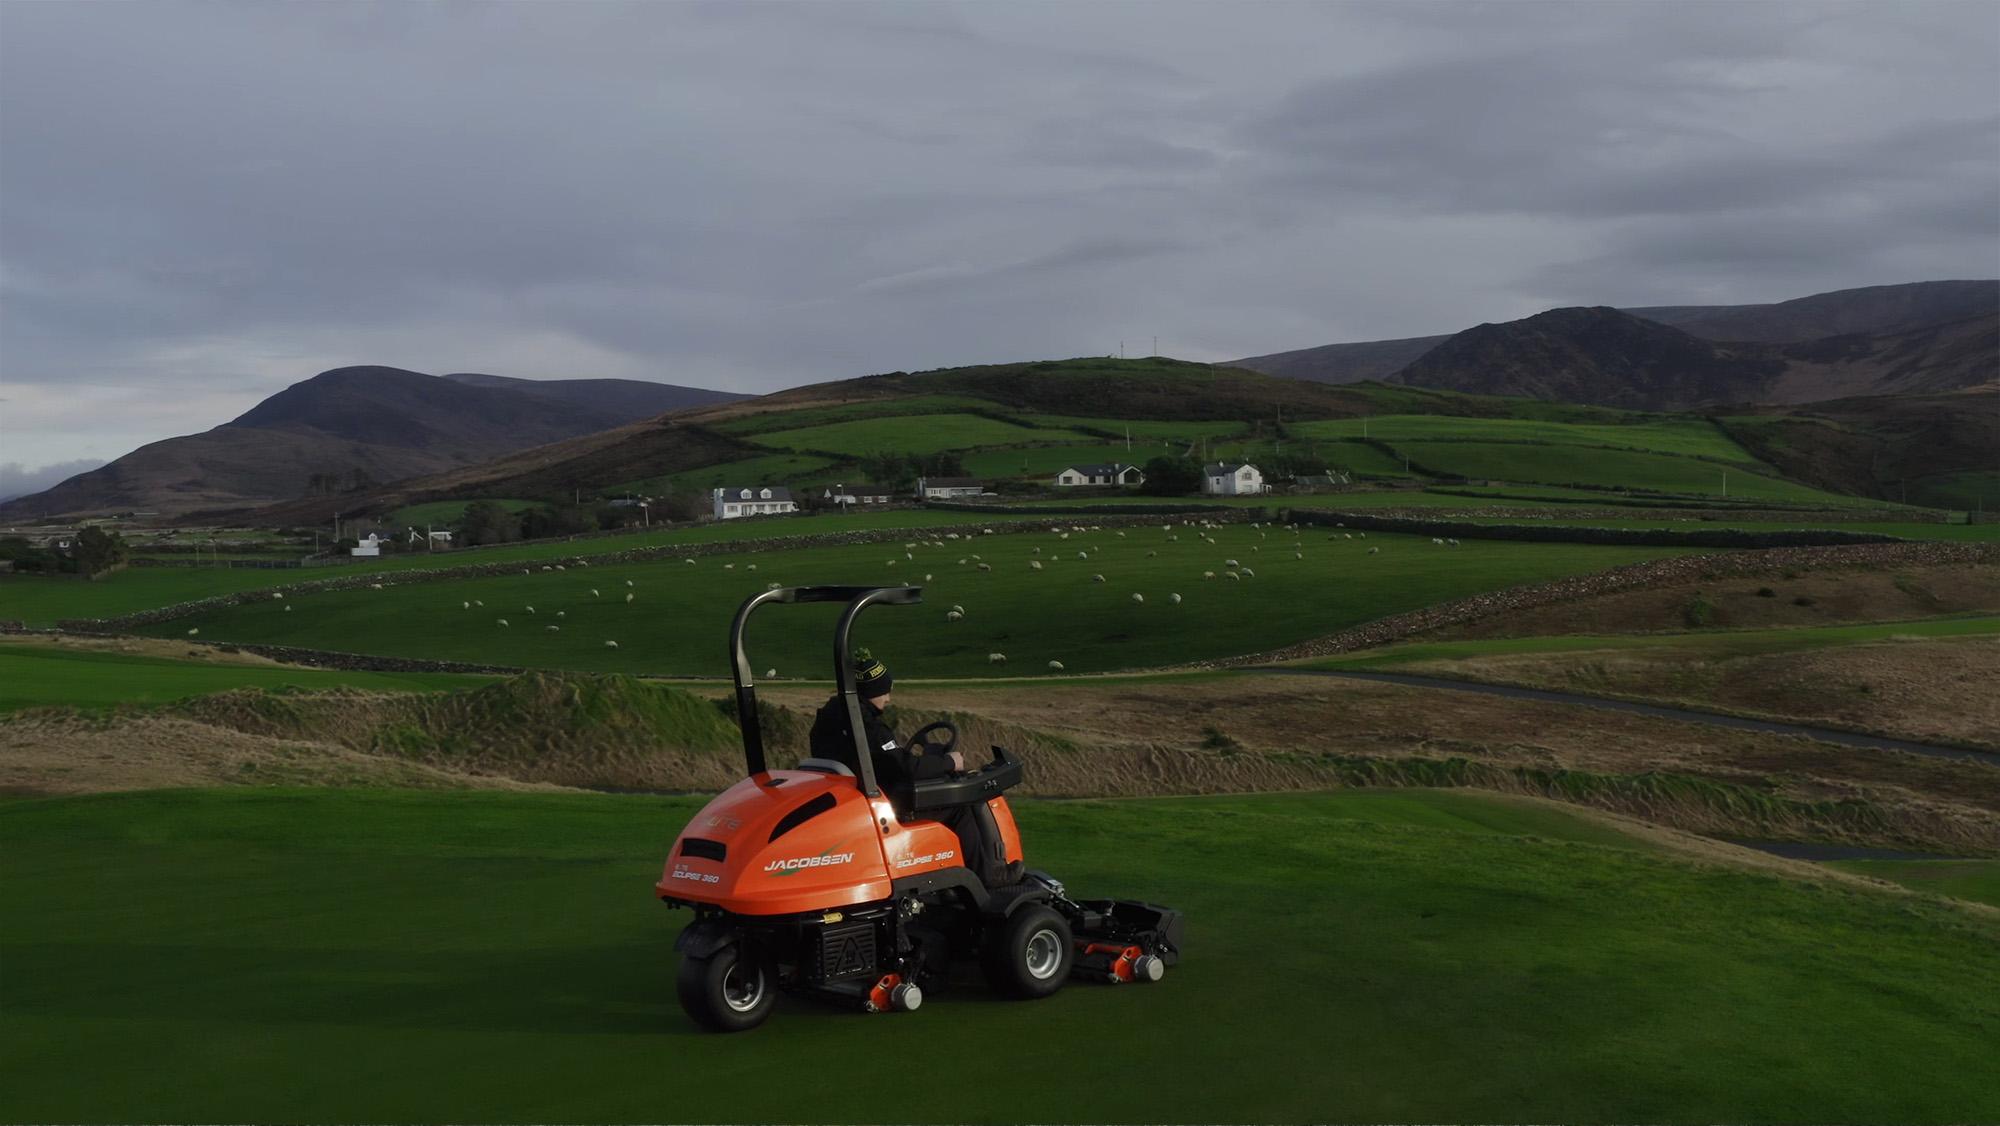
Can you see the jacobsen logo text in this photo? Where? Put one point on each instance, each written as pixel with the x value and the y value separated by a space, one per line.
pixel 798 862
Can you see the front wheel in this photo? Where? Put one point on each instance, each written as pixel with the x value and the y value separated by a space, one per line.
pixel 730 990
pixel 1028 955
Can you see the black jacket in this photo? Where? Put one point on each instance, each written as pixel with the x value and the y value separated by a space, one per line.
pixel 897 767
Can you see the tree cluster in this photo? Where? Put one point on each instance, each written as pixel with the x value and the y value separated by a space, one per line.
pixel 92 552
pixel 900 471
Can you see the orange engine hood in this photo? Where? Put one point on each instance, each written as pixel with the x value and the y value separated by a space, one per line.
pixel 788 840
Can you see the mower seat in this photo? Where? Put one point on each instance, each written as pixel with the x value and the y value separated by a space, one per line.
pixel 826 766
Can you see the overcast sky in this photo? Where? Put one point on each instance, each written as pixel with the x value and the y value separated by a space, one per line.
pixel 200 204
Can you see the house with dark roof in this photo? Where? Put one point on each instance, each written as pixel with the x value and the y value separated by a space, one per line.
pixel 760 500
pixel 1108 475
pixel 1232 479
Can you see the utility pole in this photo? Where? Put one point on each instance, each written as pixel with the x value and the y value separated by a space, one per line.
pixel 1121 349
pixel 1725 484
pixel 1156 346
pixel 1128 437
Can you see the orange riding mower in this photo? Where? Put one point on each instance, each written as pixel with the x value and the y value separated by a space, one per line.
pixel 809 881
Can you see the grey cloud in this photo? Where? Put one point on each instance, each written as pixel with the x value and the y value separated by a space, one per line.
pixel 18 480
pixel 214 201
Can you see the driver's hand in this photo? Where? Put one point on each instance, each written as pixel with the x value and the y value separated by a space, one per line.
pixel 958 760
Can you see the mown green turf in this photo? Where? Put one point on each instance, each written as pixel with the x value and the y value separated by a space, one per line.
pixel 1706 645
pixel 910 434
pixel 38 676
pixel 1976 880
pixel 677 622
pixel 391 956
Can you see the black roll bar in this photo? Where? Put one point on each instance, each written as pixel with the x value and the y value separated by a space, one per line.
pixel 857 599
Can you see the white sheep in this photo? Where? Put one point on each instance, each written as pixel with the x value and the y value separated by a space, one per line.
pixel 374 586
pixel 927 576
pixel 1120 535
pixel 277 595
pixel 749 566
pixel 531 609
pixel 546 567
pixel 1152 555
pixel 986 566
pixel 908 556
pixel 560 567
pixel 770 673
pixel 1097 578
pixel 1232 575
pixel 1055 666
pixel 954 615
pixel 288 608
pixel 1063 535
pixel 961 562
pixel 1373 550
pixel 1231 563
pixel 477 602
pixel 553 629
pixel 468 605
pixel 594 594
pixel 1452 543
pixel 689 562
pixel 562 613
pixel 193 632
pixel 629 582
pixel 1248 573
pixel 1083 555
pixel 1137 597
pixel 976 558
pixel 996 658
pixel 1208 574
pixel 772 586
pixel 1036 551
pixel 1034 564
pixel 628 597
pixel 958 608
pixel 1174 598
pixel 503 621
pixel 1298 555
pixel 611 645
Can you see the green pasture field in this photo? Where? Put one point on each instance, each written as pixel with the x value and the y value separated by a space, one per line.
pixel 376 956
pixel 1047 461
pixel 1394 399
pixel 1710 644
pixel 449 513
pixel 1964 491
pixel 1909 530
pixel 768 469
pixel 1178 434
pixel 1976 880
pixel 677 621
pixel 1690 437
pixel 42 600
pixel 911 434
pixel 1338 454
pixel 1581 465
pixel 851 412
pixel 46 676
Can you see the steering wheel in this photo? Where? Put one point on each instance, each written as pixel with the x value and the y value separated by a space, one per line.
pixel 921 739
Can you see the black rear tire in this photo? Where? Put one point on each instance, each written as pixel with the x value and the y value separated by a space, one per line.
pixel 731 990
pixel 1028 954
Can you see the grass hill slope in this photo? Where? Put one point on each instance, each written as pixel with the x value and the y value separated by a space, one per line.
pixel 342 428
pixel 399 956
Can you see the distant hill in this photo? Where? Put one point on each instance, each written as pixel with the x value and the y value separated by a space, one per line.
pixel 1941 450
pixel 347 428
pixel 613 402
pixel 1869 311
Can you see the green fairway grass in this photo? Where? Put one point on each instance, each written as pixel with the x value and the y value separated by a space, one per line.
pixel 38 676
pixel 1710 644
pixel 910 434
pixel 1975 880
pixel 376 956
pixel 680 612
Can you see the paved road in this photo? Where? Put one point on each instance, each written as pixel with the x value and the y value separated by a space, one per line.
pixel 1688 715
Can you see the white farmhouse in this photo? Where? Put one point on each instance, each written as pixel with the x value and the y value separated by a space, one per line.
pixel 1232 478
pixel 763 500
pixel 857 494
pixel 1115 474
pixel 945 488
pixel 369 547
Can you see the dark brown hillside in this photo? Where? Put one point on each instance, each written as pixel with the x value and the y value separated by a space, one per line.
pixel 611 402
pixel 1870 311
pixel 1876 445
pixel 1598 356
pixel 1344 363
pixel 341 429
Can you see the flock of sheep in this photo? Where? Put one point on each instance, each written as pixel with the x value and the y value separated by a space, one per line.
pixel 1233 570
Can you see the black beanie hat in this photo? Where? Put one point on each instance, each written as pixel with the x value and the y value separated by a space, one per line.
pixel 871 677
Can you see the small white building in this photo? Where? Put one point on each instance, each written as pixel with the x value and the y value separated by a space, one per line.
pixel 369 546
pixel 763 500
pixel 858 494
pixel 945 488
pixel 1232 479
pixel 1114 474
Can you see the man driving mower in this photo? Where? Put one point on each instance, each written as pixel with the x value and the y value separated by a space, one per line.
pixel 900 767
